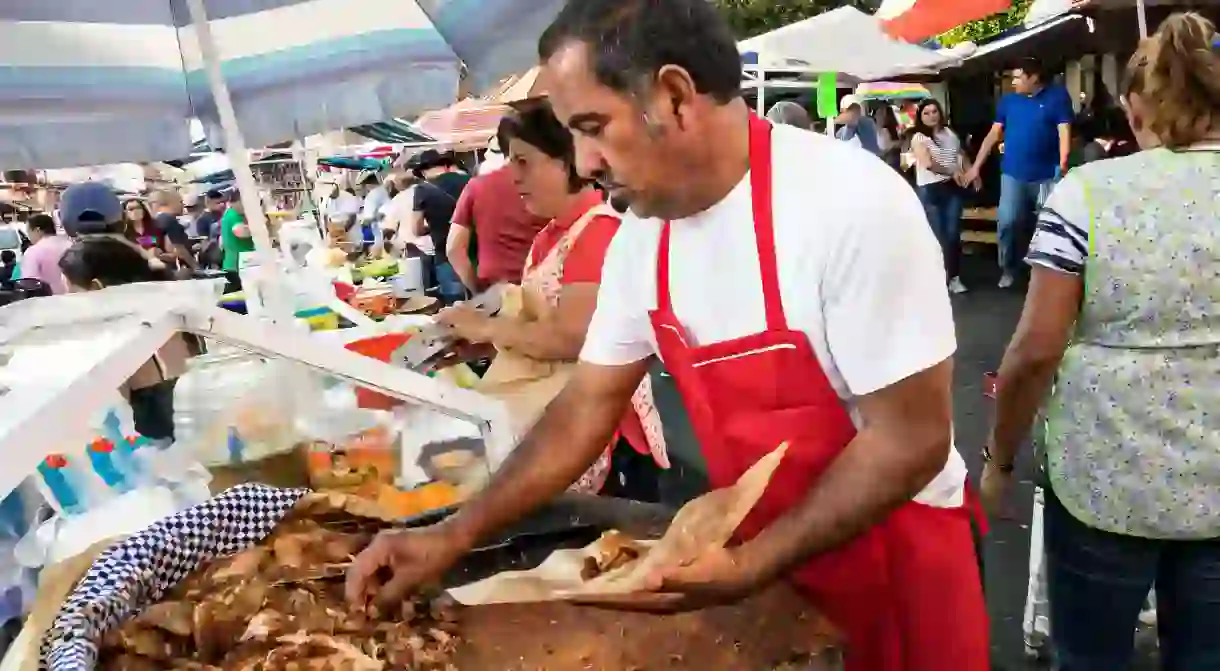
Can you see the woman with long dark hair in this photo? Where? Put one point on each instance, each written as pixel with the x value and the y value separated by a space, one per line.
pixel 98 262
pixel 889 136
pixel 140 228
pixel 940 164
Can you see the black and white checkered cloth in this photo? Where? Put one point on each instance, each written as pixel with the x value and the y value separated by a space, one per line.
pixel 139 570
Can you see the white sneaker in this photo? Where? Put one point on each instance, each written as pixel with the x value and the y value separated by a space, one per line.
pixel 956 286
pixel 1005 281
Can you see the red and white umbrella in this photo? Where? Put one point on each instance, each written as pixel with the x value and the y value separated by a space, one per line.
pixel 918 20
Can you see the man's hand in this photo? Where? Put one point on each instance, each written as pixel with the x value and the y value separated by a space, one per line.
pixel 970 176
pixel 718 577
pixel 993 491
pixel 410 558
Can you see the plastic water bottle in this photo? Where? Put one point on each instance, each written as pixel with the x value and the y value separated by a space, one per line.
pixel 59 480
pixel 101 453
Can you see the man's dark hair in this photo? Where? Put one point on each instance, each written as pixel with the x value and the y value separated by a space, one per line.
pixel 535 124
pixel 1032 67
pixel 214 194
pixel 43 223
pixel 630 40
pixel 8 257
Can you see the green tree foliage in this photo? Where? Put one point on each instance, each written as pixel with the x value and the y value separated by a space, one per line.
pixel 981 29
pixel 753 17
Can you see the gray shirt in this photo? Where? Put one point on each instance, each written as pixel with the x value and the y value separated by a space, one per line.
pixel 1133 425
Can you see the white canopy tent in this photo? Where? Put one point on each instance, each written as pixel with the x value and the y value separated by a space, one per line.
pixel 844 41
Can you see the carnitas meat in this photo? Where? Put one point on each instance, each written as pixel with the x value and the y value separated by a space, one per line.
pixel 279 606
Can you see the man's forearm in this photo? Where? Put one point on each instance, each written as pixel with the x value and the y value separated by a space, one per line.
pixel 989 143
pixel 873 476
pixel 457 250
pixel 1065 145
pixel 565 442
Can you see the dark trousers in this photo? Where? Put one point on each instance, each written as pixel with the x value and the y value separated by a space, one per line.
pixel 632 475
pixel 943 204
pixel 1098 582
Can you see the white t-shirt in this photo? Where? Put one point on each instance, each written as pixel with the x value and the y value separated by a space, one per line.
pixel 398 216
pixel 343 207
pixel 860 273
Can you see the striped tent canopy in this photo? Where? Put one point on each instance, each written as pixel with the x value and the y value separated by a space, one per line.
pixel 84 82
pixel 467 124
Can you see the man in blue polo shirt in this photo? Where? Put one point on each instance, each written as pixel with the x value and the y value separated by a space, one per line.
pixel 1035 123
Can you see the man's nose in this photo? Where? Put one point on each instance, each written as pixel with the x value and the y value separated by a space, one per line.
pixel 589 160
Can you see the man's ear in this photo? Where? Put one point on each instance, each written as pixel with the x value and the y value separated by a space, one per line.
pixel 674 95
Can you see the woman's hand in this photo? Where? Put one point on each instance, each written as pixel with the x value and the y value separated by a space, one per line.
pixel 466 323
pixel 994 488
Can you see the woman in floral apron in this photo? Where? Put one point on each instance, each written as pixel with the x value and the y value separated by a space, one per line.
pixel 538 337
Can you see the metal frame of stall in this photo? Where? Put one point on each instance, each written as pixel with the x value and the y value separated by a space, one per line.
pixel 137 330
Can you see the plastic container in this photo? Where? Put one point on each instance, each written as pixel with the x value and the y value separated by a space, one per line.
pixel 319 319
pixel 380 348
pixel 235 406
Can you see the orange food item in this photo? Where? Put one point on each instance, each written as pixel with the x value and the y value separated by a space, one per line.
pixel 407 503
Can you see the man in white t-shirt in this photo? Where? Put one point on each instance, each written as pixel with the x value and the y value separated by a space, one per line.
pixel 793 289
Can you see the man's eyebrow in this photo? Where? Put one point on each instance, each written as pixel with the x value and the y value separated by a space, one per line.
pixel 585 118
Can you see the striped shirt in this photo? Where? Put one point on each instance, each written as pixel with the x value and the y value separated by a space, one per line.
pixel 945 151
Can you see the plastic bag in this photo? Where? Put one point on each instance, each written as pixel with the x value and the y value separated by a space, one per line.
pixel 235 407
pixel 349 449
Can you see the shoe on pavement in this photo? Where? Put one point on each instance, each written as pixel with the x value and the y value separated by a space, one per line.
pixel 956 286
pixel 1005 281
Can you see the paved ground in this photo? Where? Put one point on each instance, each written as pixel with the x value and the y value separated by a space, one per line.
pixel 986 317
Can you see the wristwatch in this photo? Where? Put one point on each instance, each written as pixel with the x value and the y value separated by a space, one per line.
pixel 987 458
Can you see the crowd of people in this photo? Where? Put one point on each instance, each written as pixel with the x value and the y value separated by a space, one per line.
pixel 634 238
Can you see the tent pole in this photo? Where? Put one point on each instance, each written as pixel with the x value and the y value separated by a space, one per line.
pixel 762 91
pixel 235 144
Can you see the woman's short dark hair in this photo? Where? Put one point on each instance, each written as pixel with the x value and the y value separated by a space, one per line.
pixel 108 261
pixel 630 40
pixel 535 124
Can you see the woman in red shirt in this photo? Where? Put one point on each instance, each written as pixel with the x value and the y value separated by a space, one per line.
pixel 561 277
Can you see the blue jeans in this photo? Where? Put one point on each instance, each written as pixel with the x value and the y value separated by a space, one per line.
pixel 1098 582
pixel 449 284
pixel 1019 203
pixel 943 204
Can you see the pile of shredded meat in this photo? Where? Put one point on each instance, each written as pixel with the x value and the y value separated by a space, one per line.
pixel 279 606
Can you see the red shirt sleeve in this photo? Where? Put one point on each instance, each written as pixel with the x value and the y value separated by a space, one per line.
pixel 463 213
pixel 584 261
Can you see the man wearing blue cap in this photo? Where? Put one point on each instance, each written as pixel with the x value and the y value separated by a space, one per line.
pixel 93 208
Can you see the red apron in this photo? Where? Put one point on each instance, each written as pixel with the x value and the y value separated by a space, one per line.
pixel 907 593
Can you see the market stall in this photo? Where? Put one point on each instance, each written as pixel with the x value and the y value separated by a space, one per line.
pixel 182 544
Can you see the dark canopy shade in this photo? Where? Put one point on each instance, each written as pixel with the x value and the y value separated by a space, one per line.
pixel 393 132
pixel 1062 37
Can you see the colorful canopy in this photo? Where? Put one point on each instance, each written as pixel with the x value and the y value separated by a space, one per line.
pixel 917 20
pixel 892 91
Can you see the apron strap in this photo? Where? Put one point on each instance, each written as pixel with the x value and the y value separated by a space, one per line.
pixel 764 230
pixel 764 221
